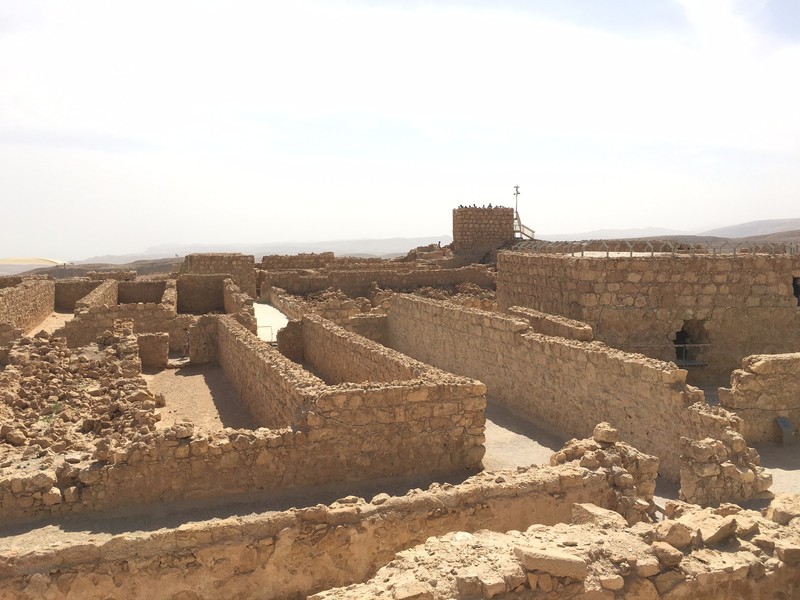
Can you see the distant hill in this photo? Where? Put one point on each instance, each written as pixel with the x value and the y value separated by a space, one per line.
pixel 612 234
pixel 755 228
pixel 785 230
pixel 366 247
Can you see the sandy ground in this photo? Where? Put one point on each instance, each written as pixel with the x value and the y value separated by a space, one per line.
pixel 54 321
pixel 270 320
pixel 201 395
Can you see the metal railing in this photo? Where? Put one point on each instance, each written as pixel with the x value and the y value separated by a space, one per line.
pixel 523 231
pixel 641 247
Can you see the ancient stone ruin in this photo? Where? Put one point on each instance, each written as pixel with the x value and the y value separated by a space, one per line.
pixel 496 418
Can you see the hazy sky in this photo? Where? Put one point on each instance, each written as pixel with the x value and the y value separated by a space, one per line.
pixel 129 124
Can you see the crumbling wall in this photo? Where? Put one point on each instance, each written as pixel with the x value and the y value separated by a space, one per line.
pixel 240 266
pixel 765 387
pixel 339 356
pixel 25 305
pixel 725 553
pixel 482 229
pixel 312 260
pixel 70 291
pixel 118 275
pixel 359 282
pixel 735 305
pixel 714 471
pixel 338 544
pixel 97 311
pixel 236 302
pixel 565 385
pixel 554 325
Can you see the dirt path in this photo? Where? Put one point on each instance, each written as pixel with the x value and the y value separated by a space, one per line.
pixel 269 320
pixel 201 395
pixel 54 320
pixel 512 441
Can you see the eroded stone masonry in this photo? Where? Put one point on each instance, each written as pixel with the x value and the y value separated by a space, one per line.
pixel 162 436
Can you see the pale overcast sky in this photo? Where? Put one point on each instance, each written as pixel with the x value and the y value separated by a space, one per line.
pixel 128 124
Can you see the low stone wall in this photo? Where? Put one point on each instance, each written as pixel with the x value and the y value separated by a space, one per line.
pixel 765 387
pixel 294 307
pixel 236 302
pixel 339 356
pixel 371 326
pixel 339 544
pixel 554 325
pixel 104 294
pixel 432 423
pixel 201 294
pixel 714 471
pixel 27 304
pixel 275 390
pixel 565 385
pixel 153 349
pixel 279 262
pixel 729 553
pixel 96 313
pixel 359 282
pixel 70 291
pixel 118 275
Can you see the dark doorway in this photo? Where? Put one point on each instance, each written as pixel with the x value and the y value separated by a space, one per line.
pixel 691 342
pixel 796 288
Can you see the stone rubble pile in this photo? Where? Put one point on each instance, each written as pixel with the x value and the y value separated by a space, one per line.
pixel 697 553
pixel 714 471
pixel 632 473
pixel 465 294
pixel 61 399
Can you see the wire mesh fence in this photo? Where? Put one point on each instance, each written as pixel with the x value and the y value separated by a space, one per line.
pixel 658 248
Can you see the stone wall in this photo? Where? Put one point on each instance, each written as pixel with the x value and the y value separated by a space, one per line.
pixel 338 356
pixel 732 306
pixel 715 471
pixel 698 554
pixel 201 294
pixel 564 385
pixel 554 325
pixel 765 387
pixel 70 291
pixel 359 282
pixel 482 229
pixel 118 275
pixel 97 311
pixel 153 349
pixel 280 262
pixel 104 294
pixel 240 266
pixel 133 292
pixel 273 388
pixel 371 326
pixel 236 302
pixel 27 304
pixel 295 552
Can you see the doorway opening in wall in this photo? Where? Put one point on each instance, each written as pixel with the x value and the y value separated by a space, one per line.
pixel 690 343
pixel 796 288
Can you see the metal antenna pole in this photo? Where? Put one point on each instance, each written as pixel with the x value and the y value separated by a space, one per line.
pixel 516 200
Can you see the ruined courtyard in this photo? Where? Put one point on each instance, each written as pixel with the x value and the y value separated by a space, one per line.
pixel 497 418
